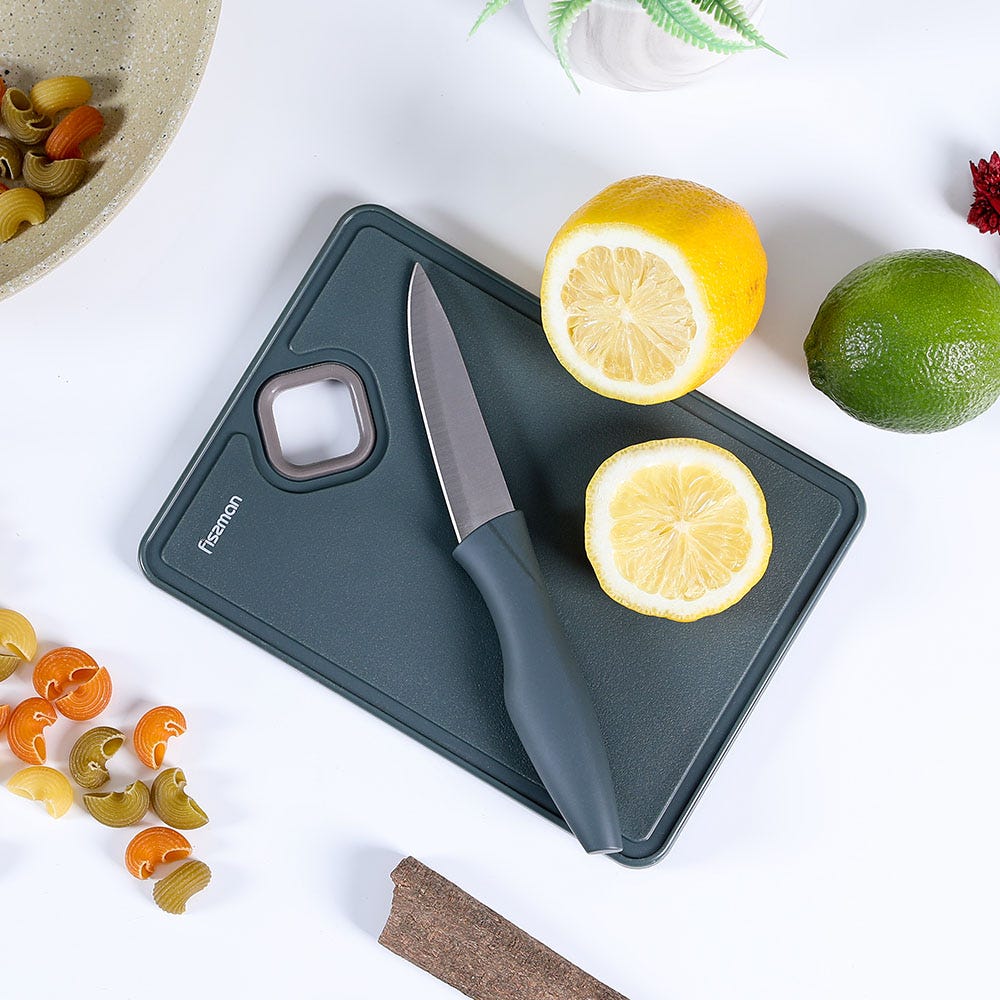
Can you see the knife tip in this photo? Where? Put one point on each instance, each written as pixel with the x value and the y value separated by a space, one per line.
pixel 417 275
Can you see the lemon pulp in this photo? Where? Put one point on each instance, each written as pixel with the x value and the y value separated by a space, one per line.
pixel 627 314
pixel 677 528
pixel 679 532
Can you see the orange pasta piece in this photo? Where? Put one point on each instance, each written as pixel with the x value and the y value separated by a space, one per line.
pixel 24 729
pixel 4 716
pixel 159 845
pixel 88 700
pixel 3 88
pixel 152 732
pixel 79 125
pixel 57 670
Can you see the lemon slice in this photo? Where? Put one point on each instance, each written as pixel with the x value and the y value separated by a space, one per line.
pixel 650 287
pixel 677 528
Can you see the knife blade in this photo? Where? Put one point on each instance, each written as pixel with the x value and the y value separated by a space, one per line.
pixel 474 487
pixel 545 693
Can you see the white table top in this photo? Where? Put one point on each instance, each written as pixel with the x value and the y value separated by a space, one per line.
pixel 847 845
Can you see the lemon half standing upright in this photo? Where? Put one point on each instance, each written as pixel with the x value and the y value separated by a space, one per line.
pixel 677 528
pixel 650 287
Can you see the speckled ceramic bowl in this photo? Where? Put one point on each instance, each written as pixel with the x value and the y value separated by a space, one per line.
pixel 145 62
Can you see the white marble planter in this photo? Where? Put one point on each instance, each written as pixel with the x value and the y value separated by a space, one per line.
pixel 614 42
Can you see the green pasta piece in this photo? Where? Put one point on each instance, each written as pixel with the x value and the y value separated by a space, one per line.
pixel 173 892
pixel 52 177
pixel 23 122
pixel 119 808
pixel 172 804
pixel 10 159
pixel 90 754
pixel 8 664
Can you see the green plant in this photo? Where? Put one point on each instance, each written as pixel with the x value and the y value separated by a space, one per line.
pixel 681 18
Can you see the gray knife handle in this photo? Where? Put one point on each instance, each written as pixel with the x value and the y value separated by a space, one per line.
pixel 545 693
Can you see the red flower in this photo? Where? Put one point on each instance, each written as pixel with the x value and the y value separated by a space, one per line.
pixel 985 211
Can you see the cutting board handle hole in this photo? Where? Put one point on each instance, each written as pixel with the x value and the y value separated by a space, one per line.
pixel 315 421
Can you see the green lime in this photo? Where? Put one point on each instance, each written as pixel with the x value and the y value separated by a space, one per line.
pixel 910 341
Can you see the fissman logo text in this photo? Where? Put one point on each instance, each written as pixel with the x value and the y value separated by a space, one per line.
pixel 208 543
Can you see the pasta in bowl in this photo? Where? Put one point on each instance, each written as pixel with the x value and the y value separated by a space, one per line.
pixel 144 65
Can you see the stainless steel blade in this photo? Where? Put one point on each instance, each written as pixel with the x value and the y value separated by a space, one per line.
pixel 474 488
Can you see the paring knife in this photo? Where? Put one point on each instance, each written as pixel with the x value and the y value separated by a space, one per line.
pixel 544 691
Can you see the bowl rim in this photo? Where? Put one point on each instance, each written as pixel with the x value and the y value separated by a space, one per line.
pixel 135 179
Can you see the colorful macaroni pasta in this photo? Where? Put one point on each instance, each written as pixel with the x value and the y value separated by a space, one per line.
pixel 57 93
pixel 10 159
pixel 152 731
pixel 18 206
pixel 78 126
pixel 51 177
pixel 60 668
pixel 88 700
pixel 172 804
pixel 24 729
pixel 88 760
pixel 23 122
pixel 44 784
pixel 155 846
pixel 117 809
pixel 54 170
pixel 4 716
pixel 173 892
pixel 17 641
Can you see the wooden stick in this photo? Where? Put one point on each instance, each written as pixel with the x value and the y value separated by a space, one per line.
pixel 451 935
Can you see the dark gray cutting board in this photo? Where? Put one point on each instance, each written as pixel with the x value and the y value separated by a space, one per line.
pixel 351 578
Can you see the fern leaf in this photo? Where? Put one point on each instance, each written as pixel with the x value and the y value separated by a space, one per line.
pixel 679 18
pixel 562 17
pixel 723 11
pixel 731 14
pixel 492 7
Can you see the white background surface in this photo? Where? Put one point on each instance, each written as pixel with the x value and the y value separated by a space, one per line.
pixel 847 846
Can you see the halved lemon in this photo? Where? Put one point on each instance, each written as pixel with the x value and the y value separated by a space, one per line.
pixel 650 287
pixel 677 528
